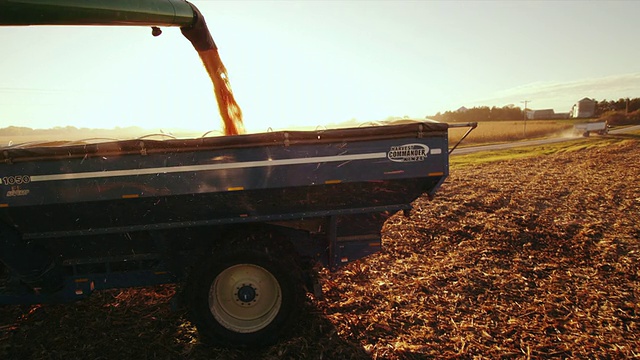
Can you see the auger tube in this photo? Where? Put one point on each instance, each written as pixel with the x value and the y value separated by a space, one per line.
pixel 97 12
pixel 154 13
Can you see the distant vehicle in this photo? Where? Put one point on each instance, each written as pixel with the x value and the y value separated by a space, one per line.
pixel 600 128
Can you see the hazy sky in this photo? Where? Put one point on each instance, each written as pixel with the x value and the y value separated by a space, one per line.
pixel 318 62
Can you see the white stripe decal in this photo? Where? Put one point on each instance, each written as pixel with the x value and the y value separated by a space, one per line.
pixel 206 167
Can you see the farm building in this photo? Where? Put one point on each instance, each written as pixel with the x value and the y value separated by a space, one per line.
pixel 584 108
pixel 545 114
pixel 540 114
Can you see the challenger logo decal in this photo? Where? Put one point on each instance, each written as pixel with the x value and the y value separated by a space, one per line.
pixel 17 192
pixel 408 153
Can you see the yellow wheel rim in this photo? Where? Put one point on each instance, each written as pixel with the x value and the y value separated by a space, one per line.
pixel 245 298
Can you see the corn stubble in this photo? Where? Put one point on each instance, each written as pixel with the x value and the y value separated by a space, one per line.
pixel 532 258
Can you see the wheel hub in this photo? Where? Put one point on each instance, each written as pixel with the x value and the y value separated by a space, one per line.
pixel 246 294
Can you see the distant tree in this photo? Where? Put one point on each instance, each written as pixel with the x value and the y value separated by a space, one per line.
pixel 634 104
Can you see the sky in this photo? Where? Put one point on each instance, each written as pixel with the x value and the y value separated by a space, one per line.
pixel 317 63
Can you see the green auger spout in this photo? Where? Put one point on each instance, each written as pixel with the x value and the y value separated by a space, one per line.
pixel 153 13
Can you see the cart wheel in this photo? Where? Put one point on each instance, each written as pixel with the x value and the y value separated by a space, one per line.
pixel 244 298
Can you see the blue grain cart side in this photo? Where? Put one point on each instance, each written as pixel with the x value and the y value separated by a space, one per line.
pixel 237 219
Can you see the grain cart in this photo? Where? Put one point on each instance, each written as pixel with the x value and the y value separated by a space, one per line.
pixel 584 129
pixel 237 220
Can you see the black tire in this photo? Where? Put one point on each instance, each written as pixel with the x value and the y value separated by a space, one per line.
pixel 246 294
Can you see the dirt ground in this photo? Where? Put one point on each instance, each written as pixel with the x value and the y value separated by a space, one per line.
pixel 534 258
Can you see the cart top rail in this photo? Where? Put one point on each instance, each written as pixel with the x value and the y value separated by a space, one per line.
pixel 67 150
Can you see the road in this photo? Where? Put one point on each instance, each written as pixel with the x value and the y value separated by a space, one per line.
pixel 473 149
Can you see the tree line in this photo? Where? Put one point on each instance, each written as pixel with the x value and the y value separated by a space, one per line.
pixel 511 112
pixel 481 113
pixel 626 105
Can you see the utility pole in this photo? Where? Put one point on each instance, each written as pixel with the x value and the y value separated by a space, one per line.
pixel 524 112
pixel 626 108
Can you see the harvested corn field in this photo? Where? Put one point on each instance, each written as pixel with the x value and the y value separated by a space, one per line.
pixel 532 258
